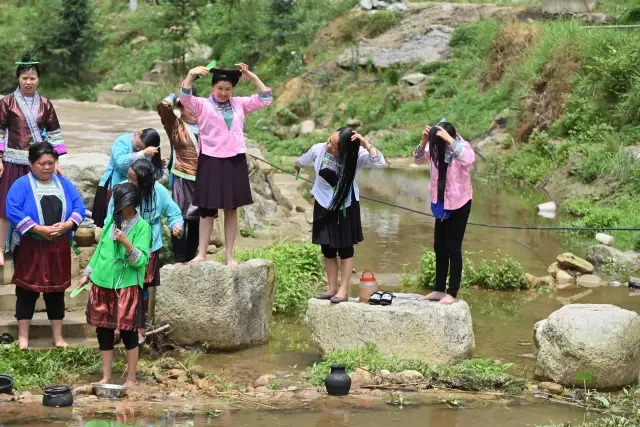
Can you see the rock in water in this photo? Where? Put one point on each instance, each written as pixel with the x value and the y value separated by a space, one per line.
pixel 207 302
pixel 590 281
pixel 603 254
pixel 605 239
pixel 601 340
pixel 84 170
pixel 552 388
pixel 411 329
pixel 570 261
pixel 564 279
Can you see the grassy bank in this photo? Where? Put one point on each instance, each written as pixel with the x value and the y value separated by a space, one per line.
pixel 470 375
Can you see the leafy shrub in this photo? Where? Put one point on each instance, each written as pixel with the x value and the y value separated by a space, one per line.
pixel 298 269
pixel 369 25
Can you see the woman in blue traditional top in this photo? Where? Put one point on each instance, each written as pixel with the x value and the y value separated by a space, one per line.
pixel 127 149
pixel 156 203
pixel 44 208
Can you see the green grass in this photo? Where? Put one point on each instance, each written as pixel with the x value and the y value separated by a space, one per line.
pixel 299 272
pixel 470 375
pixel 500 274
pixel 32 369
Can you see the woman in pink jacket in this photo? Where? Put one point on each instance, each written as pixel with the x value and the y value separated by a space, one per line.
pixel 451 159
pixel 222 176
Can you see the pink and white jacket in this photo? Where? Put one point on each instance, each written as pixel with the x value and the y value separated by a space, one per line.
pixel 215 139
pixel 458 190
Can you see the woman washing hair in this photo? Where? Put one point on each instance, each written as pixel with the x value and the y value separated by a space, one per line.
pixel 127 149
pixel 117 270
pixel 336 212
pixel 451 159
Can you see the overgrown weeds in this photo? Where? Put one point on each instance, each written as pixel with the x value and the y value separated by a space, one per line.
pixel 470 375
pixel 299 272
pixel 501 274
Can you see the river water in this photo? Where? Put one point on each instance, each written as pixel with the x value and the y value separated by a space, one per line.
pixel 394 240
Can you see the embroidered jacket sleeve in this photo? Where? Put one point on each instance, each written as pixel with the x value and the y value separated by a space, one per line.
pixel 141 241
pixel 78 210
pixel 366 160
pixel 256 102
pixel 167 116
pixel 421 154
pixel 52 126
pixel 4 122
pixel 16 207
pixel 193 103
pixel 462 152
pixel 123 154
pixel 309 157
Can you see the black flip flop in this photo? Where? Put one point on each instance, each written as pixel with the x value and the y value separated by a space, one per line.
pixel 387 298
pixel 376 297
pixel 323 296
pixel 6 338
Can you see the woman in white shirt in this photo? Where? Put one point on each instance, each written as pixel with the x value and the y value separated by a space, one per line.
pixel 336 212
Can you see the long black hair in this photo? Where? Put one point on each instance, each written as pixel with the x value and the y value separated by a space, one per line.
pixel 24 66
pixel 151 138
pixel 145 173
pixel 349 156
pixel 437 150
pixel 40 149
pixel 125 194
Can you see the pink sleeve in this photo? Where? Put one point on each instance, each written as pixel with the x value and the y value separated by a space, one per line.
pixel 193 103
pixel 253 103
pixel 464 154
pixel 421 154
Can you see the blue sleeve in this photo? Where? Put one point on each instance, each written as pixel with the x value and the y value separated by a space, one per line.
pixel 15 205
pixel 78 210
pixel 123 154
pixel 169 208
pixel 110 208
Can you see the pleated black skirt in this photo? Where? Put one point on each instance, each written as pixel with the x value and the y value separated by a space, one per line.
pixel 222 183
pixel 338 229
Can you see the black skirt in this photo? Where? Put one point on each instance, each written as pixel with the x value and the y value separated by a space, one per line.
pixel 101 204
pixel 337 228
pixel 222 183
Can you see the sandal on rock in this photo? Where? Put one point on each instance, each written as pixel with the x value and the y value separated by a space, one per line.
pixel 6 339
pixel 323 296
pixel 376 297
pixel 387 298
pixel 338 300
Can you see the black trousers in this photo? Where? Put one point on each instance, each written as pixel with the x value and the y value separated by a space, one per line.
pixel 26 304
pixel 106 338
pixel 447 244
pixel 186 247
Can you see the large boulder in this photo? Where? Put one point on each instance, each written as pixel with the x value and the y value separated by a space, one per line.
pixel 436 333
pixel 571 262
pixel 596 342
pixel 208 302
pixel 603 254
pixel 85 170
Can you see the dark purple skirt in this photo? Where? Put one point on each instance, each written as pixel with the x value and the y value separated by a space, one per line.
pixel 115 309
pixel 152 273
pixel 337 229
pixel 222 183
pixel 101 205
pixel 11 173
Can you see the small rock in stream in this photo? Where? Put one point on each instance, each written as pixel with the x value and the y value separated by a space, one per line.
pixel 6 398
pixel 264 380
pixel 169 363
pixel 615 284
pixel 552 388
pixel 605 239
pixel 83 389
pixel 308 394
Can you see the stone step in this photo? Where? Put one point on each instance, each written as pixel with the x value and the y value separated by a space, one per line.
pixel 74 326
pixel 45 343
pixel 8 300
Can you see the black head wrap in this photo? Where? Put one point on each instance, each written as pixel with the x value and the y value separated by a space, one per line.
pixel 222 75
pixel 27 63
pixel 39 149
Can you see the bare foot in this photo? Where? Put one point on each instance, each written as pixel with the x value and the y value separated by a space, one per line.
pixel 60 343
pixel 447 300
pixel 104 381
pixel 1 257
pixel 433 296
pixel 232 263
pixel 198 259
pixel 23 343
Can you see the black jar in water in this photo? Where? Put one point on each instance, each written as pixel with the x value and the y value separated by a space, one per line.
pixel 57 396
pixel 338 382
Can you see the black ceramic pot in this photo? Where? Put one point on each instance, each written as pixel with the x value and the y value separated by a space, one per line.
pixel 57 396
pixel 6 384
pixel 338 382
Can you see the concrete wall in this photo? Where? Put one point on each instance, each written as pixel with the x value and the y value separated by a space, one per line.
pixel 569 6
